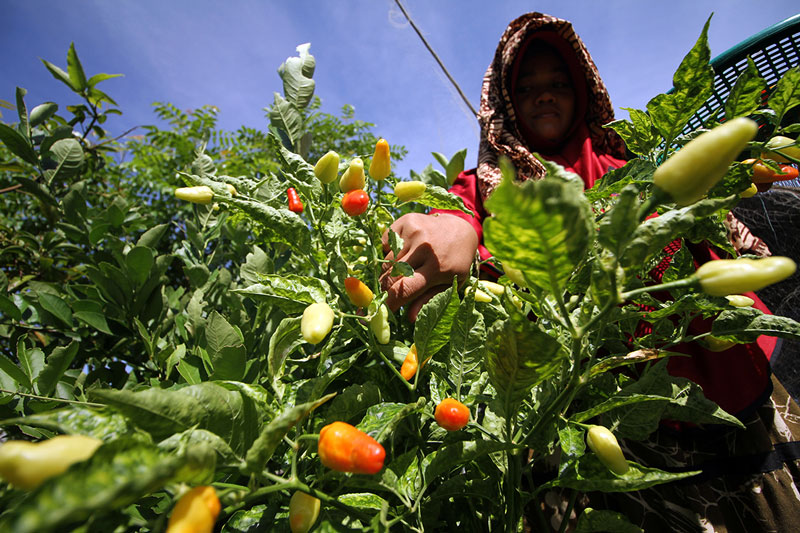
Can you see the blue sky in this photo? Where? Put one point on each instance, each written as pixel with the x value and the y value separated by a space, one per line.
pixel 198 52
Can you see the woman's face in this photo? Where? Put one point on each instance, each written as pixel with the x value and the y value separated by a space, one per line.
pixel 544 96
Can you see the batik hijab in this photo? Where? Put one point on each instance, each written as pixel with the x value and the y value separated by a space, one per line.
pixel 589 149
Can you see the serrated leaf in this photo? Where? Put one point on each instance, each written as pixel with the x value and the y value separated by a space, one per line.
pixel 786 94
pixel 519 355
pixel 745 96
pixel 434 322
pixel 290 292
pixel 209 405
pixel 542 228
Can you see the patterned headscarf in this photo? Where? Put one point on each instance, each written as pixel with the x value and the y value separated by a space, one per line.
pixel 500 133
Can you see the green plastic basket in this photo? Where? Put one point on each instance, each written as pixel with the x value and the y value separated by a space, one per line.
pixel 773 50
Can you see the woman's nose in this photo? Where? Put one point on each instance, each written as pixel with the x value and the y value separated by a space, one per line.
pixel 545 96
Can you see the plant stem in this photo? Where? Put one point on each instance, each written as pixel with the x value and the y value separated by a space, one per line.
pixel 678 284
pixel 47 398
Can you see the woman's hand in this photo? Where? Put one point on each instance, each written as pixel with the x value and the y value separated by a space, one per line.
pixel 438 247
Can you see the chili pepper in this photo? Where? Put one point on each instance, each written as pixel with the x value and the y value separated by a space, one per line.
pixel 451 414
pixel 515 275
pixel 764 174
pixel 295 205
pixel 195 512
pixel 355 202
pixel 691 171
pixel 603 443
pixel 26 465
pixel 353 178
pixel 201 194
pixel 481 296
pixel 410 364
pixel 740 300
pixel 733 276
pixel 786 146
pixel 494 288
pixel 303 512
pixel 327 168
pixel 381 165
pixel 345 448
pixel 359 294
pixel 715 344
pixel 407 191
pixel 317 322
pixel 749 192
pixel 379 324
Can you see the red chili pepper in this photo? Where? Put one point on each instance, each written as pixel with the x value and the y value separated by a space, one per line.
pixel 295 205
pixel 355 202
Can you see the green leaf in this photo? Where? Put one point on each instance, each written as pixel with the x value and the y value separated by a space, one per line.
pixel 56 307
pixel 297 170
pixel 18 144
pixel 104 423
pixel 41 113
pixel 77 77
pixel 655 233
pixel 63 160
pixel 22 111
pixel 15 373
pixel 467 345
pixel 450 456
pixel 786 95
pixel 276 225
pixel 296 72
pixel 747 324
pixel 745 96
pixel 57 363
pixel 614 230
pixel 639 134
pixel 137 469
pixel 9 308
pixel 286 117
pixel 382 419
pixel 60 75
pixel 592 521
pixel 455 166
pixel 152 236
pixel 290 292
pixel 97 78
pixel 274 432
pixel 519 355
pixel 693 83
pixel 542 228
pixel 589 474
pixel 138 262
pixel 438 198
pixel 226 348
pixel 434 323
pixel 209 405
pixel 283 342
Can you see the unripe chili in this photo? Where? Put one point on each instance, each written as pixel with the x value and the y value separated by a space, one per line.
pixel 603 443
pixel 195 512
pixel 407 191
pixel 353 178
pixel 303 512
pixel 26 465
pixel 451 414
pixel 295 205
pixel 786 146
pixel 317 322
pixel 381 165
pixel 345 448
pixel 200 194
pixel 691 171
pixel 357 291
pixel 379 324
pixel 733 276
pixel 327 168
pixel 740 300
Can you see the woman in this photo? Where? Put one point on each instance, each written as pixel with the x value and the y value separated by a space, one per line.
pixel 542 94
